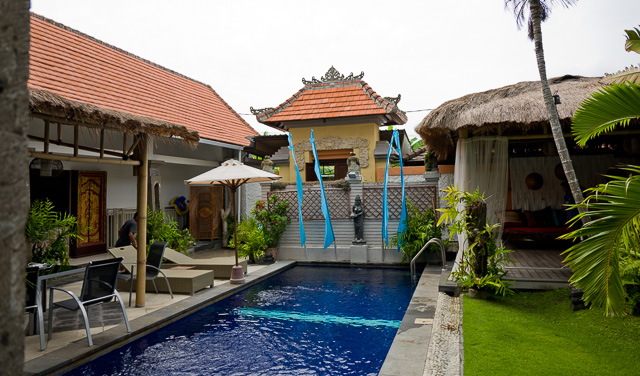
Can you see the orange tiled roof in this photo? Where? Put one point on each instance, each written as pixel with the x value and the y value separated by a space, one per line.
pixel 80 68
pixel 333 96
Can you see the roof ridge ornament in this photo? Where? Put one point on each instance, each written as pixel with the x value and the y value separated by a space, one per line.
pixel 333 75
pixel 258 111
pixel 394 100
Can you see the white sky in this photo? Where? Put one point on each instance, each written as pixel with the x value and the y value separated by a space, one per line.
pixel 255 52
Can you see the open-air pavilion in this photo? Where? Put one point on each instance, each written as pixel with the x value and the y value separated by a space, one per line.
pixel 500 142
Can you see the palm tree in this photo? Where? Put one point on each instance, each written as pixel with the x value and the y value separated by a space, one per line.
pixel 539 11
pixel 611 244
pixel 14 173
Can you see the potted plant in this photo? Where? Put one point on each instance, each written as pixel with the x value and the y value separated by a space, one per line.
pixel 272 219
pixel 49 233
pixel 481 269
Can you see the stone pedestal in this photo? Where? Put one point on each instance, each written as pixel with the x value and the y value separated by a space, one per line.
pixel 358 254
pixel 353 178
pixel 432 177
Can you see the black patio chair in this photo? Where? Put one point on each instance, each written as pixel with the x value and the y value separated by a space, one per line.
pixel 99 286
pixel 32 281
pixel 154 262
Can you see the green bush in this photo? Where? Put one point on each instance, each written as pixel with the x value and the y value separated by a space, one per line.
pixel 252 240
pixel 483 264
pixel 272 218
pixel 421 227
pixel 164 230
pixel 49 233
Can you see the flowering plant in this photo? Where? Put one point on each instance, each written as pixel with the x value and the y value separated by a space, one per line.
pixel 272 217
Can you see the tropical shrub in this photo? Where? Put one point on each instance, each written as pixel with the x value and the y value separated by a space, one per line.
pixel 162 229
pixel 604 263
pixel 272 218
pixel 421 227
pixel 49 233
pixel 252 240
pixel 483 264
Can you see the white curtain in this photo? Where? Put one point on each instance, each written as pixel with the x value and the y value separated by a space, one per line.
pixel 482 163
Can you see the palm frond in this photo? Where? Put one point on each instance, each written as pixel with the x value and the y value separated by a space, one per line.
pixel 633 40
pixel 613 213
pixel 603 110
pixel 629 74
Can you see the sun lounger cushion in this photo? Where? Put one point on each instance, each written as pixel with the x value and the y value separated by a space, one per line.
pixel 221 265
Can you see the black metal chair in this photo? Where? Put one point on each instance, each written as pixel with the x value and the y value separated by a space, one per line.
pixel 99 286
pixel 154 262
pixel 31 307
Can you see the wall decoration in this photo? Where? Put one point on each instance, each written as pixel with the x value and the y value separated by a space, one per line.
pixel 533 181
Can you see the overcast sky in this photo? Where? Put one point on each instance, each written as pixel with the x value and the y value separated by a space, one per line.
pixel 255 53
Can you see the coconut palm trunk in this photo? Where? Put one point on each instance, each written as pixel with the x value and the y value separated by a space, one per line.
pixel 556 129
pixel 14 176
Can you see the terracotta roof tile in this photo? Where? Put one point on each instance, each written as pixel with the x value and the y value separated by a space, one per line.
pixel 331 99
pixel 80 68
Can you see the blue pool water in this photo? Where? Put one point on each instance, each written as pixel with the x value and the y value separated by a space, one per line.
pixel 305 321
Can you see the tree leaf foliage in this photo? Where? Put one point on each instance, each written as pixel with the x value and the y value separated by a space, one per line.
pixel 605 109
pixel 611 233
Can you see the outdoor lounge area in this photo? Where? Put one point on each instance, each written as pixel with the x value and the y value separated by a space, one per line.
pixel 106 320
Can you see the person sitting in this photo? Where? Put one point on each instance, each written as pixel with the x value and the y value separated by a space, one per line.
pixel 127 233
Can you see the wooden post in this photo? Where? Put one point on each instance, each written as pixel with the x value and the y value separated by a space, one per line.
pixel 102 143
pixel 142 219
pixel 46 136
pixel 76 140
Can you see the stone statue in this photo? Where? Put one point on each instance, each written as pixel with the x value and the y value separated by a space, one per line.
pixel 267 164
pixel 357 213
pixel 353 164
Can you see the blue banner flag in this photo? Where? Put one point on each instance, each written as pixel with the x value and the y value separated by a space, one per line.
pixel 328 229
pixel 303 236
pixel 395 139
pixel 403 213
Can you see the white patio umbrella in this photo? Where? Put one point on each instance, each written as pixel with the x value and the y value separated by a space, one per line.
pixel 233 174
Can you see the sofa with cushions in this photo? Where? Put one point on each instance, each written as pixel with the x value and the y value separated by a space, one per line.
pixel 541 225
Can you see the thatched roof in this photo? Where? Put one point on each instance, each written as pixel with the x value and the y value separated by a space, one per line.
pixel 51 105
pixel 518 107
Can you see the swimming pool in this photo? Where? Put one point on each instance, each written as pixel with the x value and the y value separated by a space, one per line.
pixel 308 320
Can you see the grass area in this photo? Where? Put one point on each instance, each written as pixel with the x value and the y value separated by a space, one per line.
pixel 537 333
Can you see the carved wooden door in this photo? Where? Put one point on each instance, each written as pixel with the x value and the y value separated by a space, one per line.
pixel 204 212
pixel 89 198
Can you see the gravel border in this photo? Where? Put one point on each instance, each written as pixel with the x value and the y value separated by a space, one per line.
pixel 444 357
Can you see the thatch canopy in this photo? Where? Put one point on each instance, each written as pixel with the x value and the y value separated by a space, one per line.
pixel 513 109
pixel 48 105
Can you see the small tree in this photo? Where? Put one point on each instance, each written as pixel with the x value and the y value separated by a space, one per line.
pixel 272 217
pixel 482 265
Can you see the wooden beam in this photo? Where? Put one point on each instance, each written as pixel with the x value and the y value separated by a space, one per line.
pixel 102 143
pixel 76 140
pixel 136 141
pixel 85 148
pixel 46 136
pixel 59 133
pixel 110 161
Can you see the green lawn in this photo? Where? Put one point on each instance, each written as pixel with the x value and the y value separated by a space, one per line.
pixel 537 333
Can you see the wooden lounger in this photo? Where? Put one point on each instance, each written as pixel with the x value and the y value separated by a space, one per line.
pixel 221 265
pixel 182 281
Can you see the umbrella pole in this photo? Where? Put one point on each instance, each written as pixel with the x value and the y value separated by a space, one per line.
pixel 237 272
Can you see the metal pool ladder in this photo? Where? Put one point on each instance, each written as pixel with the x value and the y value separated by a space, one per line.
pixel 442 253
